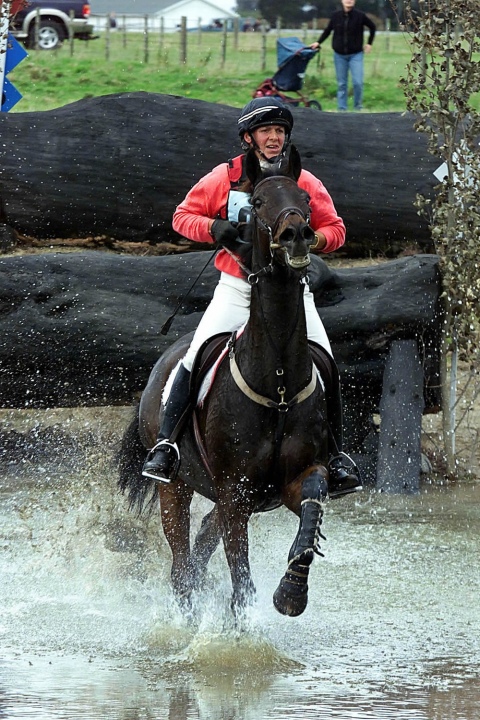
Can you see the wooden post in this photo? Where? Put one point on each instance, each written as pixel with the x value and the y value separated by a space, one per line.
pixel 107 38
pixel 161 33
pixel 224 44
pixel 183 40
pixel 70 32
pixel 145 40
pixel 236 29
pixel 37 28
pixel 124 36
pixel 304 33
pixel 401 408
pixel 264 47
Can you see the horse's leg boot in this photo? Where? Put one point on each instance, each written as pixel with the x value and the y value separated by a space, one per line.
pixel 163 459
pixel 314 492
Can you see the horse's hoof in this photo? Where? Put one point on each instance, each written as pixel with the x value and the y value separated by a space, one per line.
pixel 290 598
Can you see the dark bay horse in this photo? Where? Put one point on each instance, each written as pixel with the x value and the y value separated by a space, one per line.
pixel 259 438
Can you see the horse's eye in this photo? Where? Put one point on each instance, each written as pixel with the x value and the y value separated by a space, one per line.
pixel 257 203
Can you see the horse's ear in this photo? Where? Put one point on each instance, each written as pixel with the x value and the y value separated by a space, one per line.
pixel 252 167
pixel 295 164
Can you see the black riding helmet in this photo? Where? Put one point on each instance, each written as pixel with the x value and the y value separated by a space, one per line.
pixel 264 111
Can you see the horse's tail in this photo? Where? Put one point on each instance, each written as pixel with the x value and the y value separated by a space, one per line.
pixel 141 492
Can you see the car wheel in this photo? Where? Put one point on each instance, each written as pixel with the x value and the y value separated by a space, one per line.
pixel 51 34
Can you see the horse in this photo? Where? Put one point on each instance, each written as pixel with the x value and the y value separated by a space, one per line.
pixel 258 439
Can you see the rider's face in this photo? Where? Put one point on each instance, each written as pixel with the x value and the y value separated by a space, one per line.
pixel 269 140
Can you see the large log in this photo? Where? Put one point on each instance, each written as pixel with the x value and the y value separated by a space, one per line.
pixel 83 328
pixel 118 165
pixel 401 408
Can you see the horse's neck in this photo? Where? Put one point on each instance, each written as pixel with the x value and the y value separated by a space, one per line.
pixel 276 337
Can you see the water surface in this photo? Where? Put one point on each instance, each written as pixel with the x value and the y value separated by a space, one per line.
pixel 89 628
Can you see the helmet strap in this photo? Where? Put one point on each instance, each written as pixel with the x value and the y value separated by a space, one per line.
pixel 263 159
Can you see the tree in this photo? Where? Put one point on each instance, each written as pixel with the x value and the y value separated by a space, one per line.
pixel 290 11
pixel 441 78
pixel 246 7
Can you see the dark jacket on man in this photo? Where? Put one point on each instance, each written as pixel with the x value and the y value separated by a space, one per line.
pixel 347 28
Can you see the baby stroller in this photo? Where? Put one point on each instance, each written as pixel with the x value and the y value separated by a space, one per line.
pixel 292 59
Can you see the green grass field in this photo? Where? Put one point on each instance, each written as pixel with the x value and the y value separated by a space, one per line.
pixel 52 79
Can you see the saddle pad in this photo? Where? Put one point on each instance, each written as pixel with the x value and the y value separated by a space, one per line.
pixel 208 379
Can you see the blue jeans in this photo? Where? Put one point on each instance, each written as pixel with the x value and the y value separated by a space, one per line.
pixel 344 63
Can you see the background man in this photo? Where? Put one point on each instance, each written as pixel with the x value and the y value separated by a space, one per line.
pixel 348 26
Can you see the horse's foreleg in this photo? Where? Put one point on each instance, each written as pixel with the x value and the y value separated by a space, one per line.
pixel 234 526
pixel 205 544
pixel 175 500
pixel 304 497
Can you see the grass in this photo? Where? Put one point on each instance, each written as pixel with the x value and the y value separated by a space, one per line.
pixel 51 79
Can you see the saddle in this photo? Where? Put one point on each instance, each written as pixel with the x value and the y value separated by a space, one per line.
pixel 209 354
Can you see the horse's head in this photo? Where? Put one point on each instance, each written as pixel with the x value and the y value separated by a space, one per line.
pixel 281 211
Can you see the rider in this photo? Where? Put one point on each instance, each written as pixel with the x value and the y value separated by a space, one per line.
pixel 207 214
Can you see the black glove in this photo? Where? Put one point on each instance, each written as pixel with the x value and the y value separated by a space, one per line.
pixel 226 234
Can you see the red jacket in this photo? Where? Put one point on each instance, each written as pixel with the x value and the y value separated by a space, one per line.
pixel 208 199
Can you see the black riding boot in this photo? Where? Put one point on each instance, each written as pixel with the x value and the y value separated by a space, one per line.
pixel 165 454
pixel 344 476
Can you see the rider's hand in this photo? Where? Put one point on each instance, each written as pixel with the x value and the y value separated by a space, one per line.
pixel 227 235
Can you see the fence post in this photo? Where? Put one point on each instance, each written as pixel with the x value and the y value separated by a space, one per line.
pixel 236 28
pixel 124 31
pixel 70 31
pixel 304 30
pixel 37 28
pixel 145 39
pixel 264 48
pixel 224 44
pixel 161 35
pixel 107 38
pixel 199 30
pixel 183 39
pixel 278 25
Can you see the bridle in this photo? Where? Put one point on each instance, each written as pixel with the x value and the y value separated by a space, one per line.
pixel 271 228
pixel 282 215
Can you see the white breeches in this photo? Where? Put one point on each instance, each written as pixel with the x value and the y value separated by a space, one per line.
pixel 230 308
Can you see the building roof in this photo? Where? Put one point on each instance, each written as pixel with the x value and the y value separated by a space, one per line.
pixel 152 7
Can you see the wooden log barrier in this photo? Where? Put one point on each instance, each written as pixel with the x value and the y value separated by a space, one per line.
pixel 83 329
pixel 401 409
pixel 118 165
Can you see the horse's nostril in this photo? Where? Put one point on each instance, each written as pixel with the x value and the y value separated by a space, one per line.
pixel 287 235
pixel 309 235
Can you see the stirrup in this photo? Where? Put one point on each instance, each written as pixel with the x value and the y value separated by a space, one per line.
pixel 173 470
pixel 351 468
